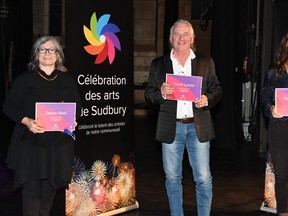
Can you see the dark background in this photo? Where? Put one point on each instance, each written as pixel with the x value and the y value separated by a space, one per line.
pixel 251 28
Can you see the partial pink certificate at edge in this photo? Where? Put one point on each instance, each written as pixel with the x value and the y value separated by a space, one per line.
pixel 281 100
pixel 55 116
pixel 185 87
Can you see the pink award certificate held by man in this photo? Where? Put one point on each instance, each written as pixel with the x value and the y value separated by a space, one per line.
pixel 55 116
pixel 185 87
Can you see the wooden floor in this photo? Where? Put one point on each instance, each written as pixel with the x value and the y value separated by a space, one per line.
pixel 238 180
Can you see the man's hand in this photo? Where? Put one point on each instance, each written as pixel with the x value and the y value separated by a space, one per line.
pixel 203 102
pixel 166 89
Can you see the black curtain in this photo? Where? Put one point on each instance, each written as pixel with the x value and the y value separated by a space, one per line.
pixel 223 54
pixel 22 34
pixel 16 41
pixel 280 23
pixel 171 16
pixel 232 38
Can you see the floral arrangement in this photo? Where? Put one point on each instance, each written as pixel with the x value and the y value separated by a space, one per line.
pixel 105 187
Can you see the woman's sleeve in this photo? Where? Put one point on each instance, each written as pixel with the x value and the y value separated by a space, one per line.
pixel 15 99
pixel 267 94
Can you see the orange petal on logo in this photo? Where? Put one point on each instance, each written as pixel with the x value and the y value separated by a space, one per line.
pixel 94 50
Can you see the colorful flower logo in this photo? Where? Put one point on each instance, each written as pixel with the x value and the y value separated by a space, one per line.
pixel 102 38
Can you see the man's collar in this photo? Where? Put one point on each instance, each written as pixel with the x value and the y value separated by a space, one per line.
pixel 191 56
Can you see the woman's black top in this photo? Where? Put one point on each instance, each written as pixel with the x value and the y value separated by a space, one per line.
pixel 40 156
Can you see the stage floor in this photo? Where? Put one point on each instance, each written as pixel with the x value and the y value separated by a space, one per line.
pixel 238 180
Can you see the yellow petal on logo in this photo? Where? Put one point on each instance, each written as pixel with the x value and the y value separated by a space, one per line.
pixel 90 37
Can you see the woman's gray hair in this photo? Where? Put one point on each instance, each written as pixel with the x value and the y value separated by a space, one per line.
pixel 34 62
pixel 182 21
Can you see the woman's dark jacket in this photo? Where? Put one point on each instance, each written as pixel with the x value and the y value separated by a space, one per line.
pixel 267 93
pixel 40 156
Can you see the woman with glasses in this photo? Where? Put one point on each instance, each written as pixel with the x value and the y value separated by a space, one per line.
pixel 42 160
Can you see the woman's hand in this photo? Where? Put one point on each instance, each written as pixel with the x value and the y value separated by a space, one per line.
pixel 274 113
pixel 32 125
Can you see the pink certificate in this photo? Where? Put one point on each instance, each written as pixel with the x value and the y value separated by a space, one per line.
pixel 281 100
pixel 56 116
pixel 185 87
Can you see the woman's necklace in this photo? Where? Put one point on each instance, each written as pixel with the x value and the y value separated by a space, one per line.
pixel 47 78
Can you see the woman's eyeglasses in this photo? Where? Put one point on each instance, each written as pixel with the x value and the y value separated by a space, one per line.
pixel 50 50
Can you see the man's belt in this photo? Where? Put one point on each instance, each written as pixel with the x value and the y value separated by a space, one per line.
pixel 186 120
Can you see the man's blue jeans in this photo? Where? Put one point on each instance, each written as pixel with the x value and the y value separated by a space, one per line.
pixel 199 159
